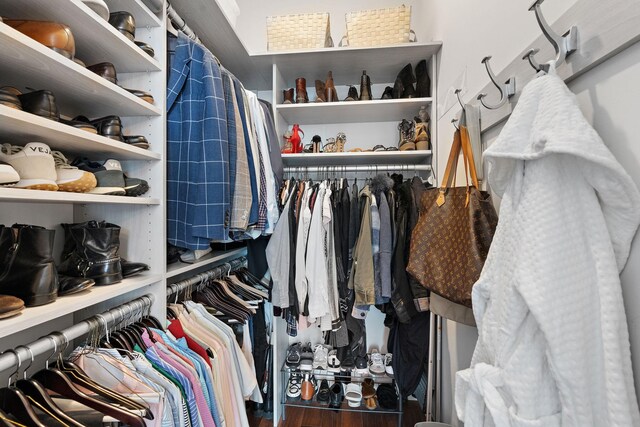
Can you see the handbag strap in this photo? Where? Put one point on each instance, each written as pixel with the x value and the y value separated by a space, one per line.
pixel 462 143
pixel 467 153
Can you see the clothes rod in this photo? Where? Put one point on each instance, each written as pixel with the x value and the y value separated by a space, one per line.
pixel 214 273
pixel 56 340
pixel 180 24
pixel 357 168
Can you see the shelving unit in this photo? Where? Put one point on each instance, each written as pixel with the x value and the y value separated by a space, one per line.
pixel 28 65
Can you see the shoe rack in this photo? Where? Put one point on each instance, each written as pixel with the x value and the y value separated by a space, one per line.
pixel 28 65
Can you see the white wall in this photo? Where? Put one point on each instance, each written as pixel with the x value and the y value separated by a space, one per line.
pixel 254 36
pixel 607 94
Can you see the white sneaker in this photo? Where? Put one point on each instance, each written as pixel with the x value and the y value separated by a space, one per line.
pixel 388 366
pixel 320 355
pixel 376 363
pixel 333 362
pixel 33 163
pixel 70 178
pixel 8 175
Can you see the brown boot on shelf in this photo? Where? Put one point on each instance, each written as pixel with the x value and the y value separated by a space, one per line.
pixel 287 94
pixel 301 91
pixel 320 91
pixel 330 89
pixel 365 87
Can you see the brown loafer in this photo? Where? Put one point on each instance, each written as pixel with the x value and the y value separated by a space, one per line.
pixel 368 390
pixel 106 70
pixel 145 96
pixel 146 48
pixel 123 22
pixel 10 306
pixel 54 35
pixel 9 97
pixel 139 141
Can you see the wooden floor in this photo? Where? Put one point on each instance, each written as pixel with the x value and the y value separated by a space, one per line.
pixel 303 417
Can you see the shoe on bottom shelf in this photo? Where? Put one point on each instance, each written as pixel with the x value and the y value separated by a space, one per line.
pixel 109 176
pixel 336 393
pixel 8 175
pixel 34 164
pixel 353 394
pixel 70 178
pixel 323 396
pixel 293 388
pixel 308 389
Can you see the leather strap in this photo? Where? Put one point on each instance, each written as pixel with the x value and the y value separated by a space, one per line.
pixel 467 152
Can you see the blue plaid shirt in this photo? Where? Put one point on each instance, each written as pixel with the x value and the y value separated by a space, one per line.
pixel 198 196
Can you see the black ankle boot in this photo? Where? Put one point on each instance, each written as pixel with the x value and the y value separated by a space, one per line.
pixel 423 83
pixel 403 86
pixel 95 252
pixel 27 270
pixel 388 93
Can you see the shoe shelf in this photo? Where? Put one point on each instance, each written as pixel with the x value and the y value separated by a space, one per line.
pixel 358 158
pixel 144 16
pixel 33 316
pixel 215 257
pixel 382 63
pixel 20 127
pixel 387 110
pixel 39 196
pixel 96 40
pixel 25 63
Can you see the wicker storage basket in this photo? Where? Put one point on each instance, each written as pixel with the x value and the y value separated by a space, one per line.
pixel 378 27
pixel 301 31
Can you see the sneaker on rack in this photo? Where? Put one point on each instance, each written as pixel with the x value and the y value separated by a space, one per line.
pixel 306 358
pixel 376 362
pixel 388 363
pixel 362 367
pixel 109 176
pixel 134 187
pixel 8 175
pixel 70 178
pixel 295 382
pixel 333 362
pixel 33 163
pixel 293 355
pixel 320 355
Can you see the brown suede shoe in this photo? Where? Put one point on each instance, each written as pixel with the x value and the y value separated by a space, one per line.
pixel 54 35
pixel 10 306
pixel 368 390
pixel 320 93
pixel 308 390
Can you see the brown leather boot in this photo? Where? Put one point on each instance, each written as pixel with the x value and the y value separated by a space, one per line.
pixel 320 91
pixel 288 96
pixel 365 87
pixel 301 91
pixel 330 89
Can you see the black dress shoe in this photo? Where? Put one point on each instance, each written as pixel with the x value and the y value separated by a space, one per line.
pixel 323 396
pixel 9 97
pixel 388 93
pixel 132 268
pixel 73 285
pixel 28 271
pixel 80 122
pixel 336 394
pixel 139 141
pixel 41 103
pixel 106 70
pixel 109 126
pixel 146 48
pixel 124 22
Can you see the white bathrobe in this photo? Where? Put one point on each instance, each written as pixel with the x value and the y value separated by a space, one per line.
pixel 553 347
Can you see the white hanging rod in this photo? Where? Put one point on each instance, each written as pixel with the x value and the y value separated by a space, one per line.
pixel 180 24
pixel 356 168
pixel 56 341
pixel 214 273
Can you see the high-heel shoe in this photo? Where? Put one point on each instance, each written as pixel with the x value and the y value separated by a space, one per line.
pixel 331 95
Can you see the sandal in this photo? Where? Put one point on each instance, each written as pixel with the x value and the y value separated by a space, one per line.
pixel 341 141
pixel 330 146
pixel 379 148
pixel 293 355
pixel 353 394
pixel 406 130
pixel 287 148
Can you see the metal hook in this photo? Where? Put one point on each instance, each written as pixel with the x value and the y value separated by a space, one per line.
pixel 459 99
pixel 563 45
pixel 507 90
pixel 454 122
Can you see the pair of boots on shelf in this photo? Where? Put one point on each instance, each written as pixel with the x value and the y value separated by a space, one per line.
pixel 404 87
pixel 89 257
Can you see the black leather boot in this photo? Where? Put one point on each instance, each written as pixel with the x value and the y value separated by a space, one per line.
pixel 403 86
pixel 365 87
pixel 27 270
pixel 95 254
pixel 388 93
pixel 423 82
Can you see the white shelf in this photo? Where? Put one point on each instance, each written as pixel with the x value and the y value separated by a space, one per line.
pixel 25 63
pixel 20 127
pixel 144 17
pixel 40 196
pixel 212 258
pixel 33 316
pixel 96 40
pixel 360 158
pixel 387 110
pixel 382 63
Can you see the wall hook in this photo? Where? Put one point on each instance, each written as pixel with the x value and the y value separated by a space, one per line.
pixel 457 92
pixel 507 90
pixel 563 45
